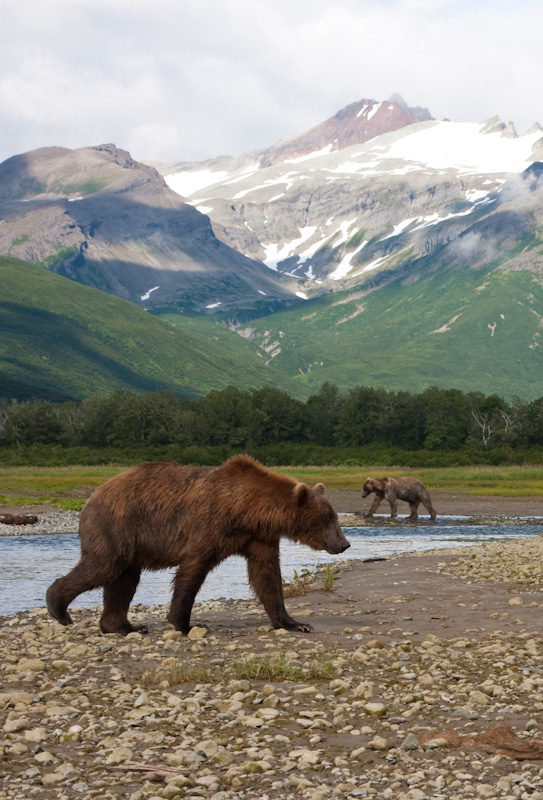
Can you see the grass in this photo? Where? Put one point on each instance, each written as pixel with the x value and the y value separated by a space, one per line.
pixel 302 582
pixel 59 487
pixel 270 668
pixel 175 672
pixel 495 481
pixel 278 668
pixel 299 584
pixel 69 487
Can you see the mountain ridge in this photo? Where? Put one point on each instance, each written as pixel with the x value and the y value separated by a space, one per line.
pixel 99 217
pixel 409 260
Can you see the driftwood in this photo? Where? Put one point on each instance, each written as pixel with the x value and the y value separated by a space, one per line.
pixel 18 519
pixel 500 739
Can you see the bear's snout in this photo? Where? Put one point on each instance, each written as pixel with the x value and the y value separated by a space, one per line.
pixel 337 543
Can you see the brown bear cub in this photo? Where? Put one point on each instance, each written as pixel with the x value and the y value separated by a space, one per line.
pixel 159 515
pixel 405 488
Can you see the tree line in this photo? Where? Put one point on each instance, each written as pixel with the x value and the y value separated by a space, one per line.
pixel 233 419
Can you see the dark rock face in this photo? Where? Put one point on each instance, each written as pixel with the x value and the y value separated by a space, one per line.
pixel 97 216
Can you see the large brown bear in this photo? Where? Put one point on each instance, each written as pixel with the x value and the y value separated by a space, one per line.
pixel 405 488
pixel 159 515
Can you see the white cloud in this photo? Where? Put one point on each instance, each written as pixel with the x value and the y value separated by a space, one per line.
pixel 180 80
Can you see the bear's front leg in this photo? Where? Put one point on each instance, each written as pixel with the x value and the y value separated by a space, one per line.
pixel 377 500
pixel 264 573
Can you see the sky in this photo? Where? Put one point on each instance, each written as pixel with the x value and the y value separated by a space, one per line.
pixel 184 80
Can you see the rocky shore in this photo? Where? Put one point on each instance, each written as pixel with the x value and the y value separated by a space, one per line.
pixel 449 641
pixel 48 522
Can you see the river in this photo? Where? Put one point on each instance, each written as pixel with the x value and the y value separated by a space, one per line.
pixel 30 563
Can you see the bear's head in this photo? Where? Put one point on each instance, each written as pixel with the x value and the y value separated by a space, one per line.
pixel 317 523
pixel 376 485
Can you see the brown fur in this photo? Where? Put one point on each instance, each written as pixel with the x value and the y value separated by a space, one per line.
pixel 159 515
pixel 405 488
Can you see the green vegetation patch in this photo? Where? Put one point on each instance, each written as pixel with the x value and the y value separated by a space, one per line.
pixel 279 668
pixel 62 253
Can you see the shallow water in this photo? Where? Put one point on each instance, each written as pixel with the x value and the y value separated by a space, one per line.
pixel 31 563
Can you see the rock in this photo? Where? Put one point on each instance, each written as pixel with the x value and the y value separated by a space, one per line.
pixel 410 742
pixel 119 755
pixel 36 735
pixel 30 665
pixel 375 709
pixel 378 743
pixel 197 633
pixel 14 725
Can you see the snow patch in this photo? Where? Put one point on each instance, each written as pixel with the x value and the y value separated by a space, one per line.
pixel 344 228
pixel 373 265
pixel 261 292
pixel 288 178
pixel 204 209
pixel 374 111
pixel 315 154
pixel 147 295
pixel 401 226
pixel 276 253
pixel 345 266
pixel 446 327
pixel 214 305
pixel 186 183
pixel 301 295
pixel 475 195
pixel 463 146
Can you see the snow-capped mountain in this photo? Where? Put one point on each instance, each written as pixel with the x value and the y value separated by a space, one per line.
pixel 324 207
pixel 381 247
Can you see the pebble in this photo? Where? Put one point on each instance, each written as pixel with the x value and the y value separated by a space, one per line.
pixel 75 708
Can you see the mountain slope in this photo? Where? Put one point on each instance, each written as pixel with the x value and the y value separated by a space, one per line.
pixel 98 217
pixel 468 315
pixel 481 331
pixel 59 339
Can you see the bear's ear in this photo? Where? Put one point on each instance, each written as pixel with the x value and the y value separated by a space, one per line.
pixel 319 488
pixel 301 493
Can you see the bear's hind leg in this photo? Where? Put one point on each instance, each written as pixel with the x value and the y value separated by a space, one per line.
pixel 118 594
pixel 84 576
pixel 414 510
pixel 427 503
pixel 189 577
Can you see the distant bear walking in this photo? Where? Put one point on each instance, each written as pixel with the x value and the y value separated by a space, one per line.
pixel 158 515
pixel 405 488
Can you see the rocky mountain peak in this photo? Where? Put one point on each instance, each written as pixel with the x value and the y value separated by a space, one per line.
pixel 110 152
pixel 356 123
pixel 495 125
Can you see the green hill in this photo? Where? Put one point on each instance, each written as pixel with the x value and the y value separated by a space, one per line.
pixel 470 329
pixel 60 339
